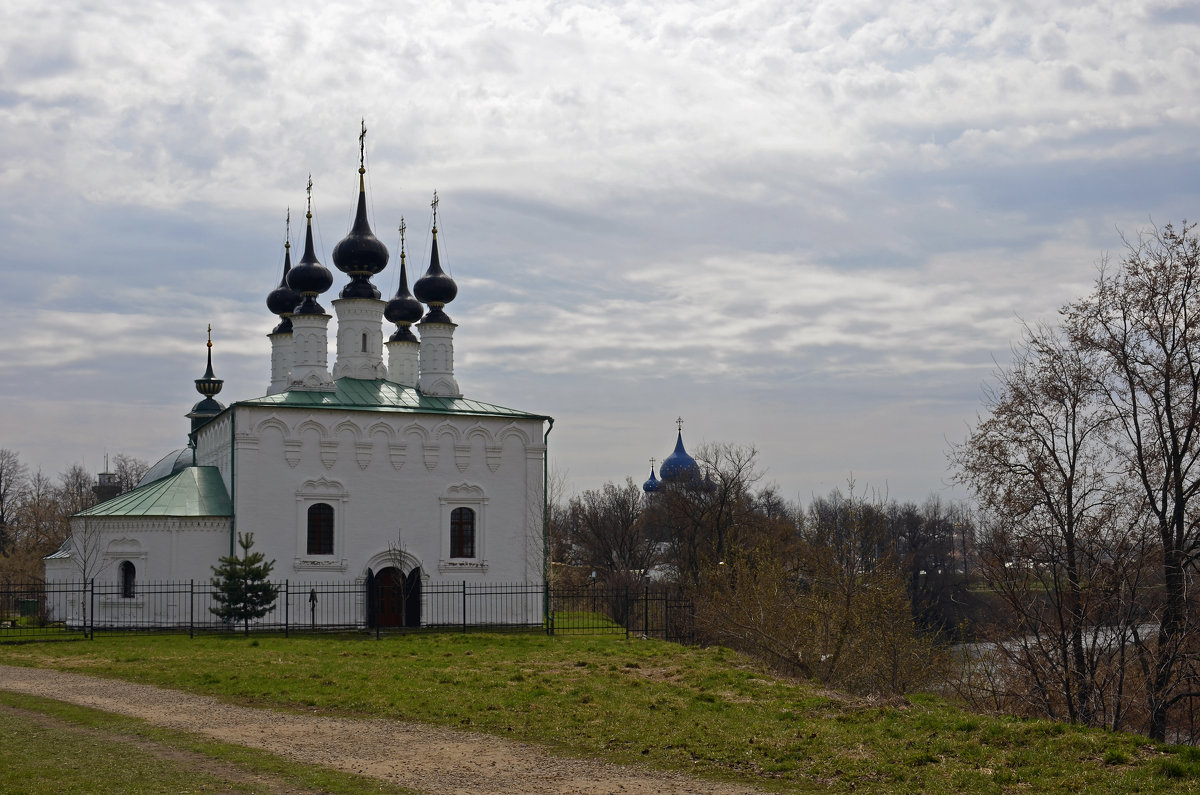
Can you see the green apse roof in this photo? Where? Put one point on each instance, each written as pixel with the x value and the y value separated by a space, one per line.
pixel 195 491
pixel 358 395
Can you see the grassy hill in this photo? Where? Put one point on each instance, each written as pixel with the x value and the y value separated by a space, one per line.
pixel 709 712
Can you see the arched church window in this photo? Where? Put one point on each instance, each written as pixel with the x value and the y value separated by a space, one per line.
pixel 320 529
pixel 364 342
pixel 462 533
pixel 128 576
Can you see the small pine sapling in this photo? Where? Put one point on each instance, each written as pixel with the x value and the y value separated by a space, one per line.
pixel 242 591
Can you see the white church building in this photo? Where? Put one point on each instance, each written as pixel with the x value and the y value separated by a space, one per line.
pixel 378 474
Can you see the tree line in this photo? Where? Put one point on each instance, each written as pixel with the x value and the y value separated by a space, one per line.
pixel 852 590
pixel 1086 469
pixel 35 509
pixel 1067 589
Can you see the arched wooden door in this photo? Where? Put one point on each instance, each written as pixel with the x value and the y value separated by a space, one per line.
pixel 387 597
pixel 412 598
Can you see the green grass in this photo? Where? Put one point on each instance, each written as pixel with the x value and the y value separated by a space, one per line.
pixel 85 750
pixel 708 712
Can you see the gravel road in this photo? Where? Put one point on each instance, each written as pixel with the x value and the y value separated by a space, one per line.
pixel 417 756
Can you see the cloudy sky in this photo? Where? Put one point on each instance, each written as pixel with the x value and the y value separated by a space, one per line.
pixel 810 227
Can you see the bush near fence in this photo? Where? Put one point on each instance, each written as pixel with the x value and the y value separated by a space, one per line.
pixel 82 609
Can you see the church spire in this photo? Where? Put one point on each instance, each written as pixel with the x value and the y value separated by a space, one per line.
pixel 403 346
pixel 208 386
pixel 309 278
pixel 403 309
pixel 435 288
pixel 310 357
pixel 283 300
pixel 360 254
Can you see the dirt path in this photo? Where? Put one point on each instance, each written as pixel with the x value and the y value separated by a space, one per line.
pixel 425 758
pixel 189 760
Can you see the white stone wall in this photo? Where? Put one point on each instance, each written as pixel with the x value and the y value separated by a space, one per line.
pixel 392 480
pixel 359 339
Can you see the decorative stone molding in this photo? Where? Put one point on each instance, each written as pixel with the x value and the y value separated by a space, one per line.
pixel 462 456
pixel 292 449
pixel 432 449
pixel 125 548
pixel 494 453
pixel 319 564
pixel 329 450
pixel 464 495
pixel 396 452
pixel 362 453
pixel 334 494
pixel 462 566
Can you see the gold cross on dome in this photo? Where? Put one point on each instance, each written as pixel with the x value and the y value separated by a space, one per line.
pixel 679 424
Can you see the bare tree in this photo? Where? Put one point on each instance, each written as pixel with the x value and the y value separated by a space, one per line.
pixel 42 526
pixel 1040 464
pixel 606 533
pixel 832 606
pixel 13 484
pixel 557 544
pixel 1142 323
pixel 128 470
pixel 76 490
pixel 703 521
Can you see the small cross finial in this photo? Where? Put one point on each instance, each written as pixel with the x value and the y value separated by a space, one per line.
pixel 309 191
pixel 403 229
pixel 651 464
pixel 287 225
pixel 434 205
pixel 210 335
pixel 679 424
pixel 362 144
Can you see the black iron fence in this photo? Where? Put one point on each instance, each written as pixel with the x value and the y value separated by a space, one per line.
pixel 82 609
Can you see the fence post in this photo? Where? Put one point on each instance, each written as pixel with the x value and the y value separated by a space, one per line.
pixel 287 606
pixel 628 612
pixel 191 608
pixel 666 617
pixel 464 606
pixel 646 610
pixel 90 632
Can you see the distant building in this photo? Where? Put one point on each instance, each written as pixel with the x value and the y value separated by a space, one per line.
pixel 378 474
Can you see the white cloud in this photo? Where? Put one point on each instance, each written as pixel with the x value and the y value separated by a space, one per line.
pixel 796 200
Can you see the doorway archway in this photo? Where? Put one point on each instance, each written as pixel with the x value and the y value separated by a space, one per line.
pixel 393 599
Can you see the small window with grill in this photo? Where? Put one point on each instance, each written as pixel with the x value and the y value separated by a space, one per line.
pixel 320 529
pixel 462 533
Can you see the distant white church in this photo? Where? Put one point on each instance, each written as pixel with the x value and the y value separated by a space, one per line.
pixel 378 474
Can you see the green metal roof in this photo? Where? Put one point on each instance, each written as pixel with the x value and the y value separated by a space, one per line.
pixel 195 491
pixel 358 395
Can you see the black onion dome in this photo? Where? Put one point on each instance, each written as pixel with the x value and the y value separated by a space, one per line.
pixel 360 254
pixel 309 278
pixel 435 288
pixel 403 309
pixel 282 300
